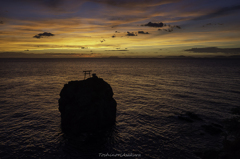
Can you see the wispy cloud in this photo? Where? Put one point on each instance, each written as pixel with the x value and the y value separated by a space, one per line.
pixel 116 50
pixel 135 3
pixel 220 12
pixel 55 46
pixel 47 55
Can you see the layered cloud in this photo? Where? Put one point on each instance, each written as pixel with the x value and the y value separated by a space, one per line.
pixel 100 25
pixel 215 50
pixel 220 12
pixel 116 50
pixel 47 55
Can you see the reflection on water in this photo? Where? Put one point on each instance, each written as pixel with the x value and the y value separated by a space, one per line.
pixel 151 94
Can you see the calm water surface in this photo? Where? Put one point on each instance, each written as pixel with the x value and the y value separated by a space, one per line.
pixel 150 93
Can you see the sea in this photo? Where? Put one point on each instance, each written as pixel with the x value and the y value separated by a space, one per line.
pixel 153 99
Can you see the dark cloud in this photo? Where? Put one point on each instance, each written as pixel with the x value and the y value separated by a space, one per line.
pixel 1 22
pixel 102 40
pixel 128 34
pixel 177 26
pixel 40 35
pixel 142 32
pixel 169 28
pixel 150 24
pixel 220 12
pixel 215 50
pixel 131 34
pixel 208 24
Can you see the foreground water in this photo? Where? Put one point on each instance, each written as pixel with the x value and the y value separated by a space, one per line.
pixel 150 93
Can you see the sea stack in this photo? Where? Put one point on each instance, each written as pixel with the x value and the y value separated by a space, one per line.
pixel 87 106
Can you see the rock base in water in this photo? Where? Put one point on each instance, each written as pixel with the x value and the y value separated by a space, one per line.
pixel 87 106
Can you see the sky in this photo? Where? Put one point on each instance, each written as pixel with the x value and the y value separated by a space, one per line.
pixel 119 28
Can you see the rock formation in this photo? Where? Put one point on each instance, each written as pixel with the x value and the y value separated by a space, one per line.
pixel 87 106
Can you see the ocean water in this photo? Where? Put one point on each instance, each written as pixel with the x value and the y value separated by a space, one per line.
pixel 150 95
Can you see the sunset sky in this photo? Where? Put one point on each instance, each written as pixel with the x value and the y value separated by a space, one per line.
pixel 119 28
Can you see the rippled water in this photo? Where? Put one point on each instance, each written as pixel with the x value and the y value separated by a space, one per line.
pixel 150 93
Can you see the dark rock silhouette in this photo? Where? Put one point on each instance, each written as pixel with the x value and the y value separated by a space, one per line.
pixel 87 106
